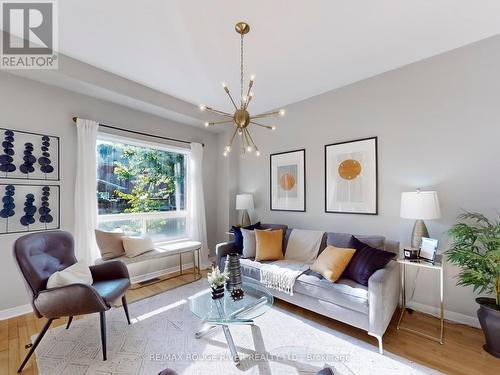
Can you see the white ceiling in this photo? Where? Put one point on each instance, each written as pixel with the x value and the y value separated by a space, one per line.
pixel 296 48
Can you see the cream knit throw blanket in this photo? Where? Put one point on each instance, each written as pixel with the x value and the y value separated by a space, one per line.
pixel 301 251
pixel 281 274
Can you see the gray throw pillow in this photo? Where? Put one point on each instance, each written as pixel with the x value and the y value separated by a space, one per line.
pixel 249 243
pixel 110 244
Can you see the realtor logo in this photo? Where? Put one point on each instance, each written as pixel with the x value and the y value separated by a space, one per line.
pixel 29 37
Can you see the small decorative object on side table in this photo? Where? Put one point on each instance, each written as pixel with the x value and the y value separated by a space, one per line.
pixel 420 263
pixel 216 279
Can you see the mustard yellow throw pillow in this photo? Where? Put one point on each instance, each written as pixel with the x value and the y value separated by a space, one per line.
pixel 332 262
pixel 268 244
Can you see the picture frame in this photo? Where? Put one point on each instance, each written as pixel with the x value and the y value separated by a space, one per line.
pixel 45 197
pixel 29 156
pixel 288 181
pixel 428 249
pixel 351 177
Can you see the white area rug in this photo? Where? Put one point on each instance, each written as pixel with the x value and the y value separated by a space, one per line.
pixel 163 336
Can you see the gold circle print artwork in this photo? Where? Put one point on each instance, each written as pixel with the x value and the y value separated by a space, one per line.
pixel 349 169
pixel 287 181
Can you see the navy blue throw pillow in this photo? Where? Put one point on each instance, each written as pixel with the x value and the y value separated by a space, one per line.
pixel 238 237
pixel 365 261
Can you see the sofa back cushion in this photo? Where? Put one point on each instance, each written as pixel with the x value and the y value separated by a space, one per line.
pixel 343 240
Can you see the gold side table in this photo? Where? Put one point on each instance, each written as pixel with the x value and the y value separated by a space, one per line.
pixel 438 266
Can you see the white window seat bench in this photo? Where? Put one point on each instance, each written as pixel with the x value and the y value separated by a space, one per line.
pixel 161 261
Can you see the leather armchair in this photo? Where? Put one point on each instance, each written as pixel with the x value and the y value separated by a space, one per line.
pixel 39 255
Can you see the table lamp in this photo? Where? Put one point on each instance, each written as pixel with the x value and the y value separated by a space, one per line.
pixel 420 206
pixel 244 202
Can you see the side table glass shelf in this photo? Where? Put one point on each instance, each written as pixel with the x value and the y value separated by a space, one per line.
pixel 421 264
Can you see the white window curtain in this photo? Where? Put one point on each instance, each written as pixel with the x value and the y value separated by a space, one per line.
pixel 196 202
pixel 85 191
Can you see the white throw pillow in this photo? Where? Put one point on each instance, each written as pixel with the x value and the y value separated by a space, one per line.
pixel 78 273
pixel 135 246
pixel 249 244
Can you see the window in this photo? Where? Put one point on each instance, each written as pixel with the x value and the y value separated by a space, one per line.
pixel 141 188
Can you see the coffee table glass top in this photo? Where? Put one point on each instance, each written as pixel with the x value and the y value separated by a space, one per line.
pixel 255 302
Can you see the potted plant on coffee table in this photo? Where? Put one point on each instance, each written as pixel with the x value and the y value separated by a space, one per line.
pixel 476 249
pixel 217 279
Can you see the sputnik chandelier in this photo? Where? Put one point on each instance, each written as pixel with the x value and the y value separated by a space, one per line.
pixel 241 118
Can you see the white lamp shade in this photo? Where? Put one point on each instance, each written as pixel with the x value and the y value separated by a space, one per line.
pixel 244 202
pixel 420 205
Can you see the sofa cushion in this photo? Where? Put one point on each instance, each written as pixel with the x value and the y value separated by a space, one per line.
pixel 269 244
pixel 344 292
pixel 286 232
pixel 343 240
pixel 366 261
pixel 110 243
pixel 332 262
pixel 238 237
pixel 135 246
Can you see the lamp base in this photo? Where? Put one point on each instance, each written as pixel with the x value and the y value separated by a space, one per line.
pixel 419 231
pixel 245 219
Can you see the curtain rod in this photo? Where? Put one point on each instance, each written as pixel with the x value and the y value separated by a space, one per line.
pixel 141 133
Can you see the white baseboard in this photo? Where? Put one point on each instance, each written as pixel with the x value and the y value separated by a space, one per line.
pixel 15 311
pixel 448 315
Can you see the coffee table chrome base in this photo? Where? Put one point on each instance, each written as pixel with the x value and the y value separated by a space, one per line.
pixel 211 326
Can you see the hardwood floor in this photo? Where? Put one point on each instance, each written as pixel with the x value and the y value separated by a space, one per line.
pixel 462 352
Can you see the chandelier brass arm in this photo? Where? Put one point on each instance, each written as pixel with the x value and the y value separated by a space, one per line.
pixel 209 109
pixel 281 112
pixel 212 123
pixel 229 94
pixel 264 126
pixel 241 119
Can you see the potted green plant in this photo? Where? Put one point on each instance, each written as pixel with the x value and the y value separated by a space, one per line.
pixel 217 279
pixel 476 249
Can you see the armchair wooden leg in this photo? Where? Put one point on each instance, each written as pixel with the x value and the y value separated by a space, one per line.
pixel 35 344
pixel 125 307
pixel 102 316
pixel 69 322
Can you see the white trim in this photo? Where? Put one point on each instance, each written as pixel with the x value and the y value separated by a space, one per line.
pixel 103 218
pixel 109 137
pixel 453 316
pixel 15 311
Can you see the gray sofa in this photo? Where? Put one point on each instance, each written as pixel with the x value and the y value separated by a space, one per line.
pixel 369 308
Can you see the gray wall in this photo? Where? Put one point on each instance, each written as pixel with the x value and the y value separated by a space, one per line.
pixel 437 123
pixel 32 106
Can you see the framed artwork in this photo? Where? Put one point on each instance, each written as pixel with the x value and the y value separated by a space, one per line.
pixel 288 181
pixel 29 208
pixel 28 156
pixel 351 177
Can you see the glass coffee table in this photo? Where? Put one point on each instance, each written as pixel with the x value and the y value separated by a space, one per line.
pixel 225 312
